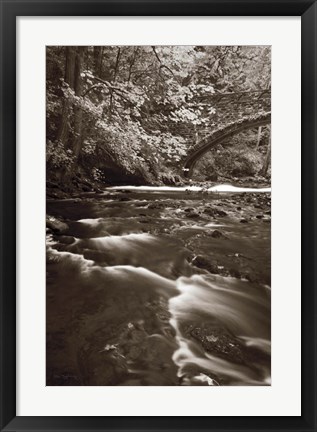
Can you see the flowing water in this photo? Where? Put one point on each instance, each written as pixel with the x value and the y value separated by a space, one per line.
pixel 159 287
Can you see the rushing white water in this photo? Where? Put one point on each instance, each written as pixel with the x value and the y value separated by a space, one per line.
pixel 218 188
pixel 122 286
pixel 232 305
pixel 244 311
pixel 229 304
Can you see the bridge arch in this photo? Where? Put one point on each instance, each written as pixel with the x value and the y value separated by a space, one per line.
pixel 221 134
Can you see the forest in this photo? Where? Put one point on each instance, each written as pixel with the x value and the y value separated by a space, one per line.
pixel 131 114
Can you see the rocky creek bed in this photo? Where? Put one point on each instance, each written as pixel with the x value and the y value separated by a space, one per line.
pixel 158 288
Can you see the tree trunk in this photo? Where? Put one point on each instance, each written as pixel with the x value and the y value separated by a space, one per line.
pixel 259 137
pixel 267 160
pixel 78 112
pixel 114 79
pixel 63 132
pixel 132 63
pixel 196 135
pixel 98 50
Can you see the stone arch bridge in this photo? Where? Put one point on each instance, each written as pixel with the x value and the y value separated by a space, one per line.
pixel 235 113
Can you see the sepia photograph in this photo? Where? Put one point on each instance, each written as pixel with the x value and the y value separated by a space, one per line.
pixel 158 215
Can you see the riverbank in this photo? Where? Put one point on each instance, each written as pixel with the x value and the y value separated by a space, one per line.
pixel 81 184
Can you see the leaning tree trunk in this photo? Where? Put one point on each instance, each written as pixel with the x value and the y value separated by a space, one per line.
pixel 267 159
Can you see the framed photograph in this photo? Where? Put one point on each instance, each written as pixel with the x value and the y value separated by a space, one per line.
pixel 158 199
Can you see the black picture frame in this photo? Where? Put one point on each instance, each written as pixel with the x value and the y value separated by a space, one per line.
pixel 10 9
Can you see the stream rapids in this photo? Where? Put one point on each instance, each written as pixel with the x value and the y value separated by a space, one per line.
pixel 159 287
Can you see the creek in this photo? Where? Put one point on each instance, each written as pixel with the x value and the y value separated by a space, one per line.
pixel 159 286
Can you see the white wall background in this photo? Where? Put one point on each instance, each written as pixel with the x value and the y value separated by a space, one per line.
pixel 283 397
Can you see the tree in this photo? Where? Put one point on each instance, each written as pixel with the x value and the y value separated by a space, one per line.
pixel 78 112
pixel 69 80
pixel 267 160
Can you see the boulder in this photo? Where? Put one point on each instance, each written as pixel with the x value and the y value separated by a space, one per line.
pixel 220 213
pixel 235 273
pixel 192 215
pixel 205 264
pixel 217 234
pixel 66 239
pixel 56 225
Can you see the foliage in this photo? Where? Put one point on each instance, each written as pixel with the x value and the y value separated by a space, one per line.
pixel 57 156
pixel 138 108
